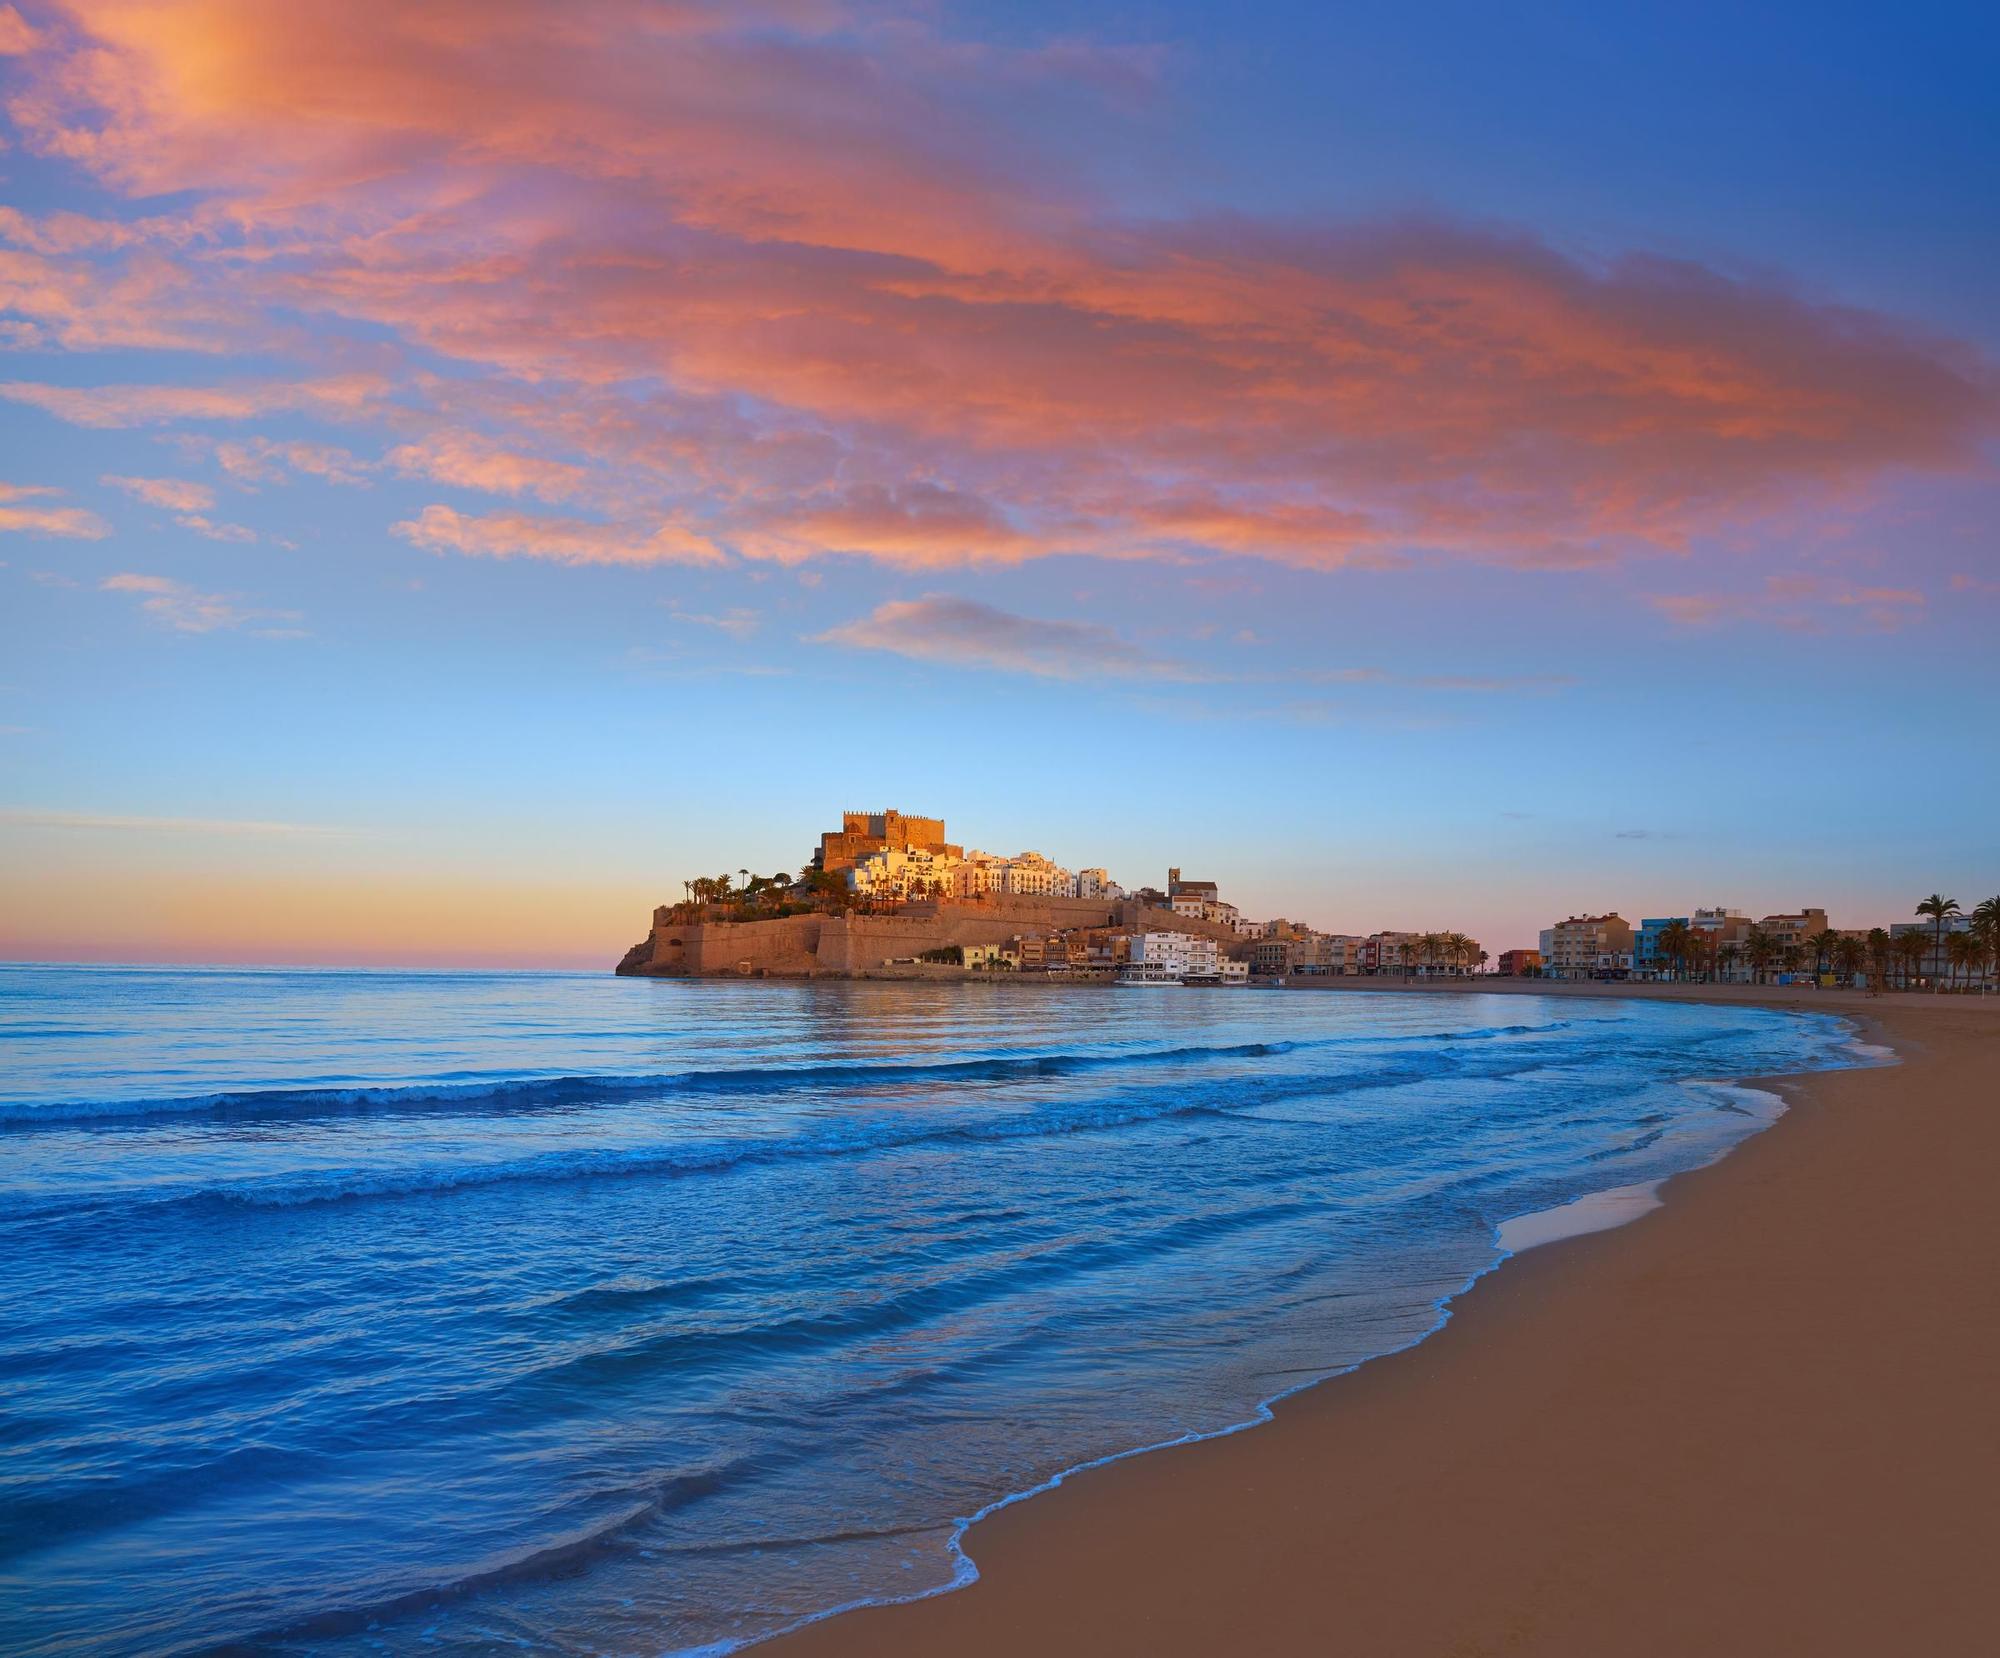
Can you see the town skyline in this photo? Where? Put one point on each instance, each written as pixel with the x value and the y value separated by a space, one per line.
pixel 1449 470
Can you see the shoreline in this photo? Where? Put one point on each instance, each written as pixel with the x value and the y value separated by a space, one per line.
pixel 1146 1550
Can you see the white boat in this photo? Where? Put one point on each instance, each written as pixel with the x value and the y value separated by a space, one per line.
pixel 1145 974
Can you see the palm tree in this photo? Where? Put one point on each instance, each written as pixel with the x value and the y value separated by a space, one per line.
pixel 1702 953
pixel 1674 942
pixel 1963 950
pixel 1879 951
pixel 1762 949
pixel 1986 923
pixel 1823 945
pixel 1847 955
pixel 1725 959
pixel 1912 947
pixel 1938 907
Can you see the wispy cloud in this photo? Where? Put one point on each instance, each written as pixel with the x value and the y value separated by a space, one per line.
pixel 169 494
pixel 1489 684
pixel 187 501
pixel 737 622
pixel 33 817
pixel 962 633
pixel 158 405
pixel 1797 603
pixel 25 509
pixel 260 460
pixel 185 609
pixel 441 529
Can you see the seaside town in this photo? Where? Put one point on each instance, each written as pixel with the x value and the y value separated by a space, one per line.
pixel 941 909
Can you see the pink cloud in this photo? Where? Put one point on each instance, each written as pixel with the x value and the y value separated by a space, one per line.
pixel 173 494
pixel 440 529
pixel 260 460
pixel 15 35
pixel 473 462
pixel 1800 603
pixel 25 509
pixel 754 272
pixel 144 405
pixel 188 502
pixel 185 609
pixel 963 633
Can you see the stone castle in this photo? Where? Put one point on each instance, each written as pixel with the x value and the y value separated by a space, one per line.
pixel 861 833
pixel 842 945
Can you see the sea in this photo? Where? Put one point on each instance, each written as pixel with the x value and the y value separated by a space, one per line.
pixel 358 1312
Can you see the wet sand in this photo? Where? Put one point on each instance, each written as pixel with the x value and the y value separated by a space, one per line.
pixel 1763 1419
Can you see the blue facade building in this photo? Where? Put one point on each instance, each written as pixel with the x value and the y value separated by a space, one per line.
pixel 1647 962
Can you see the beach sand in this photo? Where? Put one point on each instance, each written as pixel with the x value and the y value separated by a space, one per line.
pixel 1763 1419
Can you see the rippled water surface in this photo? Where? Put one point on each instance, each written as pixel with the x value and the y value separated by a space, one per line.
pixel 452 1312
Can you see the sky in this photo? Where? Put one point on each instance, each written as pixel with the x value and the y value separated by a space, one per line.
pixel 466 468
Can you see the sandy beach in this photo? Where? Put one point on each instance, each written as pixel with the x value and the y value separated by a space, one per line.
pixel 1758 1420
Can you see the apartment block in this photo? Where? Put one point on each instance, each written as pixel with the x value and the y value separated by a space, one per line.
pixel 1588 947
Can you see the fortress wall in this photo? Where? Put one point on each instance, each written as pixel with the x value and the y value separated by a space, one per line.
pixel 804 945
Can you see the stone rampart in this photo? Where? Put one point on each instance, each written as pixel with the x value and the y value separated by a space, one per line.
pixel 804 946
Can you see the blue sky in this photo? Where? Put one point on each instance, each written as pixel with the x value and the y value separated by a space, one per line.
pixel 477 660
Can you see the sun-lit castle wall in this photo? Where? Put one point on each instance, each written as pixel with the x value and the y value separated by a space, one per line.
pixel 862 833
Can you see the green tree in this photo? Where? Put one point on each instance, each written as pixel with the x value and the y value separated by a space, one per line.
pixel 1847 955
pixel 1912 947
pixel 1880 950
pixel 1963 950
pixel 1761 949
pixel 1986 924
pixel 1938 907
pixel 1674 942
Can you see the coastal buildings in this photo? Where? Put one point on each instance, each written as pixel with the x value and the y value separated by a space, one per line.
pixel 1199 901
pixel 1649 961
pixel 1718 943
pixel 1719 926
pixel 1936 962
pixel 1026 875
pixel 1519 964
pixel 1182 954
pixel 1795 930
pixel 1588 947
pixel 1386 952
pixel 1097 883
pixel 900 875
pixel 1293 951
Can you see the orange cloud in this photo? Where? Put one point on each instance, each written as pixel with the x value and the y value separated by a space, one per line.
pixel 440 529
pixel 756 273
pixel 474 462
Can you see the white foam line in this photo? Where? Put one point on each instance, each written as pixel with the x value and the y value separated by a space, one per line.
pixel 1596 1212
